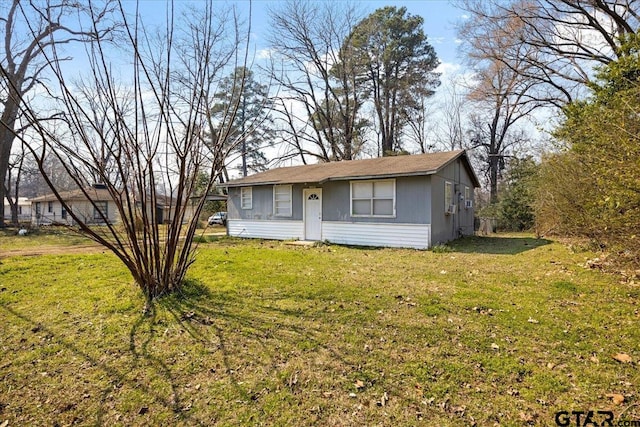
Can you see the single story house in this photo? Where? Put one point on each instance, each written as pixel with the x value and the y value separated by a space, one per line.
pixel 24 209
pixel 47 209
pixel 412 201
pixel 166 208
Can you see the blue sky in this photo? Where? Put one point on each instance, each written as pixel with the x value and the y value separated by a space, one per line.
pixel 439 19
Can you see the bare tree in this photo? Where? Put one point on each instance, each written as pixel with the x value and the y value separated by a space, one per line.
pixel 29 31
pixel 12 182
pixel 505 94
pixel 451 129
pixel 320 98
pixel 142 139
pixel 560 41
pixel 500 105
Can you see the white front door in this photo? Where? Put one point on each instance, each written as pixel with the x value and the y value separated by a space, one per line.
pixel 313 213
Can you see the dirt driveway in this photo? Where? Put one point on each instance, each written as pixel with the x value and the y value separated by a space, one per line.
pixel 85 248
pixel 52 250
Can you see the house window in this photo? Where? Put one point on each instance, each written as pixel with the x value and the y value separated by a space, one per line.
pixel 50 207
pixel 19 210
pixel 373 198
pixel 282 200
pixel 467 197
pixel 64 213
pixel 38 209
pixel 246 197
pixel 448 197
pixel 100 211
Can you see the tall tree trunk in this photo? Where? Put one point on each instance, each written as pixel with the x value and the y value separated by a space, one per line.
pixel 494 164
pixel 6 141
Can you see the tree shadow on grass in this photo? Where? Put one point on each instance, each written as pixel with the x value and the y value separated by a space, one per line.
pixel 259 342
pixel 117 376
pixel 496 244
pixel 210 318
pixel 213 325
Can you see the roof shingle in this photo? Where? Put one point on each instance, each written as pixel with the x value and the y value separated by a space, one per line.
pixel 380 167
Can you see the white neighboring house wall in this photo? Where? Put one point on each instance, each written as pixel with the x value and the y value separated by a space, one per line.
pixel 51 212
pixel 416 236
pixel 48 210
pixel 24 209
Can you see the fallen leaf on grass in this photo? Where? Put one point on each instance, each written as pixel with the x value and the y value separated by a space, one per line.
pixel 359 384
pixel 616 398
pixel 623 358
pixel 528 418
pixel 495 346
pixel 384 399
pixel 532 320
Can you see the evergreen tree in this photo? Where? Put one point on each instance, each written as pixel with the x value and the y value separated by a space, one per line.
pixel 603 154
pixel 251 125
pixel 516 204
pixel 397 63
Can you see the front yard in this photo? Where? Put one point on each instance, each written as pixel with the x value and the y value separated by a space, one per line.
pixel 505 330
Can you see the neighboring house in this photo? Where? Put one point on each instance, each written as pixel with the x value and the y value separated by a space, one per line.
pixel 48 210
pixel 403 201
pixel 24 210
pixel 166 209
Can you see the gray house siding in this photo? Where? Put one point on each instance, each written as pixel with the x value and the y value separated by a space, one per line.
pixel 420 218
pixel 413 195
pixel 448 227
pixel 262 204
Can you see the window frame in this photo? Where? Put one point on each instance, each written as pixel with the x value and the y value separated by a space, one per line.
pixel 372 213
pixel 289 201
pixel 467 197
pixel 98 213
pixel 246 197
pixel 448 198
pixel 49 207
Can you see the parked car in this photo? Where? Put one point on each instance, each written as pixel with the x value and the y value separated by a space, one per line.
pixel 218 218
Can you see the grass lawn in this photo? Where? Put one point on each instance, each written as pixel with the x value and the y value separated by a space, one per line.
pixel 504 330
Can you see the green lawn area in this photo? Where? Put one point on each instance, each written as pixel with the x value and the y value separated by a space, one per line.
pixel 504 330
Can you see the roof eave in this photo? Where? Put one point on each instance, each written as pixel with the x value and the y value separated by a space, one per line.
pixel 380 176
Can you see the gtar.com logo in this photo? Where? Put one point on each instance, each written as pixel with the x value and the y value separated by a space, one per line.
pixel 591 419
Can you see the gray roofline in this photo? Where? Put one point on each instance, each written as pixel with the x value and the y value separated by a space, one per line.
pixel 462 153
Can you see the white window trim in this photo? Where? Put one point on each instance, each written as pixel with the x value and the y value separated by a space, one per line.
pixel 448 203
pixel 249 191
pixel 372 199
pixel 467 197
pixel 290 191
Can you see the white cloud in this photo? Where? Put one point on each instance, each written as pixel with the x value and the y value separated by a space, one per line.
pixel 264 53
pixel 448 68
